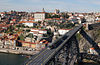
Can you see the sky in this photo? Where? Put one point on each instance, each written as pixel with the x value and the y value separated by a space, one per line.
pixel 51 5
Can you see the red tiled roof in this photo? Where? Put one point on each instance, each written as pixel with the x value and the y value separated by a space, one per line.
pixel 39 29
pixel 98 21
pixel 14 20
pixel 53 19
pixel 31 18
pixel 26 42
pixel 92 48
pixel 27 22
pixel 34 31
pixel 2 12
pixel 48 19
pixel 7 25
pixel 44 41
pixel 56 18
pixel 1 24
pixel 40 12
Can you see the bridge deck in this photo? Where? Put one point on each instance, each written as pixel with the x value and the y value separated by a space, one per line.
pixel 43 57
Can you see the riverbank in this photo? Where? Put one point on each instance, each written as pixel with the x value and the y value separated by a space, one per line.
pixel 3 50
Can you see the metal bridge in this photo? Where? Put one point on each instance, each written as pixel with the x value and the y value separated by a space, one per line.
pixel 65 50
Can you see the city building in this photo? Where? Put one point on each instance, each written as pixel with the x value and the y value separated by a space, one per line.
pixel 63 31
pixel 38 32
pixel 38 45
pixel 28 23
pixel 27 44
pixel 57 11
pixel 40 16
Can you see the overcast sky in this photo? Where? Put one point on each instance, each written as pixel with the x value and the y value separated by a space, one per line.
pixel 50 5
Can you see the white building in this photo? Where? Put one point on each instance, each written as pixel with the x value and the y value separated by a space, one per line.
pixel 90 19
pixel 63 31
pixel 40 31
pixel 40 16
pixel 92 51
pixel 28 23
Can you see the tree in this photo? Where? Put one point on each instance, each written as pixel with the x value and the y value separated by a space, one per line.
pixel 49 16
pixel 83 20
pixel 21 37
pixel 27 30
pixel 39 22
pixel 31 36
pixel 67 16
pixel 68 25
pixel 56 16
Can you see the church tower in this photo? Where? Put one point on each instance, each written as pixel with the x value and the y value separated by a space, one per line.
pixel 43 10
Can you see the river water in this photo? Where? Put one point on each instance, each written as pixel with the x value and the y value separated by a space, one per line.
pixel 11 59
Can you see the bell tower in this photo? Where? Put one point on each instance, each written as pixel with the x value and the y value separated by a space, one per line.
pixel 43 10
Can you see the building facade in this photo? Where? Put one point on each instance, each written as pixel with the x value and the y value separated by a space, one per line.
pixel 40 16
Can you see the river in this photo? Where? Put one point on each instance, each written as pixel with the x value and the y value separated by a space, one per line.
pixel 11 59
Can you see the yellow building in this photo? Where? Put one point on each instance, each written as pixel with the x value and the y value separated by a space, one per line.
pixel 27 44
pixel 41 45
